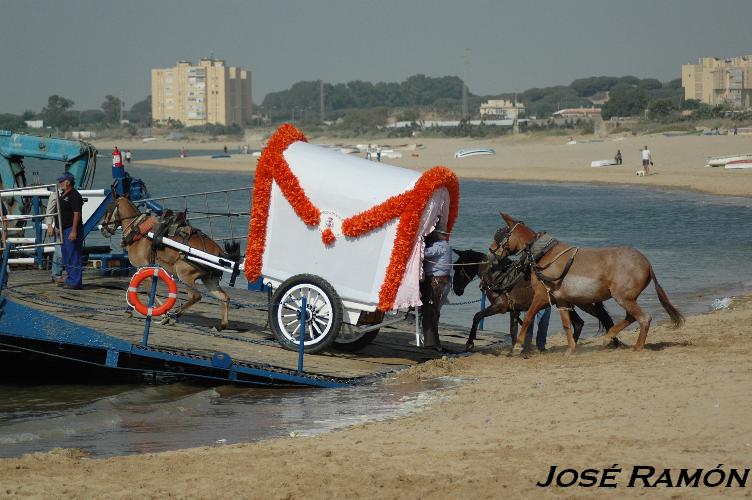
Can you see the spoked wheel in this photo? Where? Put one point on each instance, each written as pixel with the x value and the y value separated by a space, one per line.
pixel 323 315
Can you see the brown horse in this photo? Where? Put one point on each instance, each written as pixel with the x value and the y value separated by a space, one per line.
pixel 136 225
pixel 566 275
pixel 471 264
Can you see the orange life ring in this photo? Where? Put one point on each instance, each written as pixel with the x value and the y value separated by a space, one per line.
pixel 138 278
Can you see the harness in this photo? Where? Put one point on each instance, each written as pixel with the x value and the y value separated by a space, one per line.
pixel 533 252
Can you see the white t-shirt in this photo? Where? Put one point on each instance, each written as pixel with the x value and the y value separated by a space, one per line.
pixel 645 154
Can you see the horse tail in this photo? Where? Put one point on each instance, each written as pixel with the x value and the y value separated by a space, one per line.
pixel 674 314
pixel 605 322
pixel 232 250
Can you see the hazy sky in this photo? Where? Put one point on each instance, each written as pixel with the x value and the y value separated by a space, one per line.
pixel 87 49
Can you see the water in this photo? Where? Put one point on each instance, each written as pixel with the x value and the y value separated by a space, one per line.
pixel 698 244
pixel 111 420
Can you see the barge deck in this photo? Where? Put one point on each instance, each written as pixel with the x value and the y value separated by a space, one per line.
pixel 93 326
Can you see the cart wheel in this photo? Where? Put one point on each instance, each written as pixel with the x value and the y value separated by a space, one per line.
pixel 323 316
pixel 350 341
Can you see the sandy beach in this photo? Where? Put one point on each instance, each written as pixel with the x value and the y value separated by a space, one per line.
pixel 679 160
pixel 682 403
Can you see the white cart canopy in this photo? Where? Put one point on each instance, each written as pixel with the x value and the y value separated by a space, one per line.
pixel 356 223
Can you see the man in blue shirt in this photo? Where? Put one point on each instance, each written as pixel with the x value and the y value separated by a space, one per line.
pixel 437 264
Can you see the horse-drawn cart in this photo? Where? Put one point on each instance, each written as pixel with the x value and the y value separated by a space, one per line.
pixel 345 233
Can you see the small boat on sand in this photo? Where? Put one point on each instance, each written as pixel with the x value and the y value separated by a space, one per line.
pixel 603 163
pixel 739 164
pixel 464 153
pixel 720 161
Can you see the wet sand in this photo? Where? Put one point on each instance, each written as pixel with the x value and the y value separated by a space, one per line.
pixel 684 402
pixel 679 161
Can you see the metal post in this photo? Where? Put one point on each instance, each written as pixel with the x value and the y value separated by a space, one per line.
pixel 152 295
pixel 482 306
pixel 4 269
pixel 39 258
pixel 417 328
pixel 303 317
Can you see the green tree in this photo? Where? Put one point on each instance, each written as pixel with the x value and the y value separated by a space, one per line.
pixel 650 84
pixel 140 112
pixel 57 112
pixel 661 108
pixel 691 104
pixel 625 102
pixel 9 121
pixel 91 117
pixel 111 108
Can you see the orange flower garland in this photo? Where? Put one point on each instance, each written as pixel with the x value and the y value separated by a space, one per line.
pixel 408 206
pixel 272 166
pixel 328 236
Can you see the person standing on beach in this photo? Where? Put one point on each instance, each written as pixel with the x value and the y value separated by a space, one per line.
pixel 618 157
pixel 647 160
pixel 437 264
pixel 368 152
pixel 378 153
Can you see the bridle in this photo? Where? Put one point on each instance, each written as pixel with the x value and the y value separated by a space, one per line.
pixel 501 238
pixel 112 219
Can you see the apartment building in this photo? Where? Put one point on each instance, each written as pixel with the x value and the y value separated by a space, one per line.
pixel 210 92
pixel 717 81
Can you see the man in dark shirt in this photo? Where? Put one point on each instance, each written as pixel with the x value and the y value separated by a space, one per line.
pixel 71 204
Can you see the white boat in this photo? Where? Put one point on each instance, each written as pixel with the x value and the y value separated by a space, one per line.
pixel 720 161
pixel 464 153
pixel 603 163
pixel 739 164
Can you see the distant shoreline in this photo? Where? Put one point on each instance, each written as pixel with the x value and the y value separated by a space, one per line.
pixel 678 165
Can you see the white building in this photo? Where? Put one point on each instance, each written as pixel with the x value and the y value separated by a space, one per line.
pixel 502 108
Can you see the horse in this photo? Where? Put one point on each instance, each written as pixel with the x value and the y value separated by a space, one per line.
pixel 567 275
pixel 471 264
pixel 122 213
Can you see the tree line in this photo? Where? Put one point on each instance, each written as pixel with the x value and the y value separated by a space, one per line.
pixel 442 96
pixel 59 114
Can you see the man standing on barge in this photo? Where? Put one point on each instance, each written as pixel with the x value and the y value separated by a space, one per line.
pixel 71 204
pixel 437 266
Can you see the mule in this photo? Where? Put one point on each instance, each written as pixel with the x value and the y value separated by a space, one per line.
pixel 569 275
pixel 471 264
pixel 123 213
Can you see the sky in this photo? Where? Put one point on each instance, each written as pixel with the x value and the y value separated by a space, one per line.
pixel 85 50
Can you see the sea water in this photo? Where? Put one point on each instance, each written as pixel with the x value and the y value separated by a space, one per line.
pixel 699 246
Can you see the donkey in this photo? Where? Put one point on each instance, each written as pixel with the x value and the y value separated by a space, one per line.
pixel 471 264
pixel 570 275
pixel 123 213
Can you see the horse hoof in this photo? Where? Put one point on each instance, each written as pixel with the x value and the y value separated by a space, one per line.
pixel 166 321
pixel 568 353
pixel 614 343
pixel 469 347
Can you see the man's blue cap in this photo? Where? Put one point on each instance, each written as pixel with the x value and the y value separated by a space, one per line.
pixel 67 176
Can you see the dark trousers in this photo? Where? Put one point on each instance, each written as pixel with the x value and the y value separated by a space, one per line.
pixel 73 256
pixel 431 293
